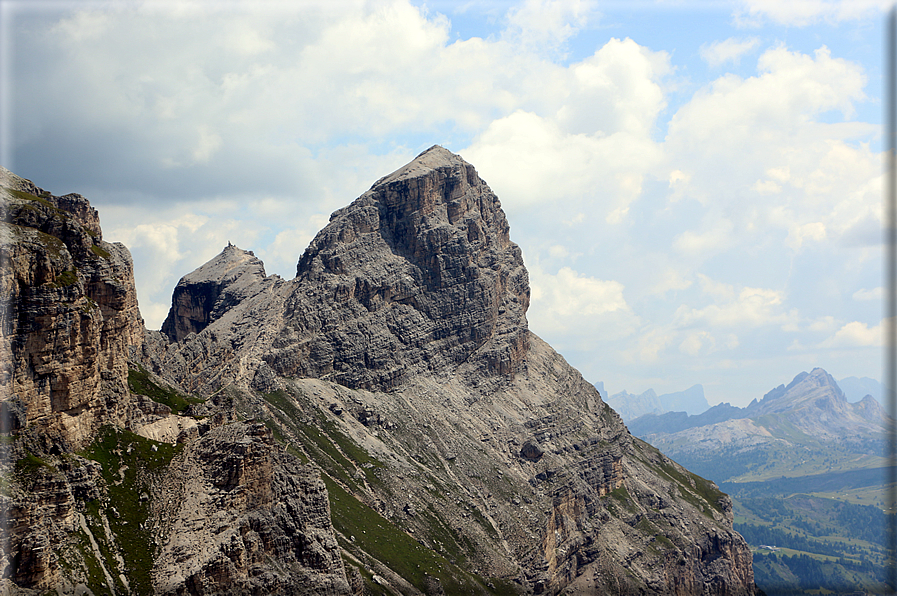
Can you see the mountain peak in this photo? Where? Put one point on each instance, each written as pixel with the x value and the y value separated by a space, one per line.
pixel 424 259
pixel 434 158
pixel 809 396
pixel 204 294
pixel 231 262
pixel 397 361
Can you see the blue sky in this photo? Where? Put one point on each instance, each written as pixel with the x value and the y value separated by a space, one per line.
pixel 696 187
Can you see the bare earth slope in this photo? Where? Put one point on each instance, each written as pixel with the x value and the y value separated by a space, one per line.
pixel 399 361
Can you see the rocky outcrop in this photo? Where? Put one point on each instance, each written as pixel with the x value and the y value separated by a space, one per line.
pixel 399 360
pixel 224 318
pixel 69 317
pixel 204 295
pixel 233 505
pixel 88 448
pixel 460 453
pixel 416 276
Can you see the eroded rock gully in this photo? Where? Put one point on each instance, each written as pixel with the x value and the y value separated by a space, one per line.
pixel 449 449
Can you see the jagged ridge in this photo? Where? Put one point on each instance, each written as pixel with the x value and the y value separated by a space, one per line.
pixel 403 339
pixel 399 362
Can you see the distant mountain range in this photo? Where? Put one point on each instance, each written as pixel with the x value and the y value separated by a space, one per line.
pixel 810 413
pixel 856 389
pixel 630 406
pixel 805 468
pixel 692 401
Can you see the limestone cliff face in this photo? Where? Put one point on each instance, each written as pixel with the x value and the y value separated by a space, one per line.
pixel 206 294
pixel 69 318
pixel 231 507
pixel 417 275
pixel 460 453
pixel 97 469
pixel 399 360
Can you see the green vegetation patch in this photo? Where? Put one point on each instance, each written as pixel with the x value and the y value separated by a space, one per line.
pixel 621 495
pixel 129 464
pixel 824 544
pixel 66 278
pixel 375 535
pixel 349 447
pixel 281 400
pixel 705 489
pixel 339 455
pixel 484 523
pixel 370 586
pixel 139 382
pixel 800 574
pixel 29 467
pixel 26 196
pixel 100 251
pixel 96 579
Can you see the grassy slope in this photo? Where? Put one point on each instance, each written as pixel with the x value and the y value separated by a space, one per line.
pixel 368 539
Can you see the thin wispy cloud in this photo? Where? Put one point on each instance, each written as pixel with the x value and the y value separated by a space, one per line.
pixel 718 53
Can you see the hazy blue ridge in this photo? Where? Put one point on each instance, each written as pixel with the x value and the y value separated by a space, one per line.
pixel 671 422
pixel 631 406
pixel 855 389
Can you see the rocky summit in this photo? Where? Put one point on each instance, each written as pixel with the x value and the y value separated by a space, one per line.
pixel 383 423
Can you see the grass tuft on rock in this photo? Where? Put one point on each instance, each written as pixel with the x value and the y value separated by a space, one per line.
pixel 66 278
pixel 366 531
pixel 100 251
pixel 139 382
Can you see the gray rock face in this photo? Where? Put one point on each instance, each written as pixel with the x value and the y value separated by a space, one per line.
pixel 68 317
pixel 398 360
pixel 531 450
pixel 204 295
pixel 417 275
pixel 234 504
pixel 76 517
pixel 70 314
pixel 403 366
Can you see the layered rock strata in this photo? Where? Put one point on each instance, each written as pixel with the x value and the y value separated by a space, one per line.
pixel 460 453
pixel 418 275
pixel 233 505
pixel 92 454
pixel 400 361
pixel 69 315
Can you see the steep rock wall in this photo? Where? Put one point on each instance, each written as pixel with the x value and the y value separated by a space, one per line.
pixel 399 359
pixel 84 489
pixel 417 275
pixel 69 317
